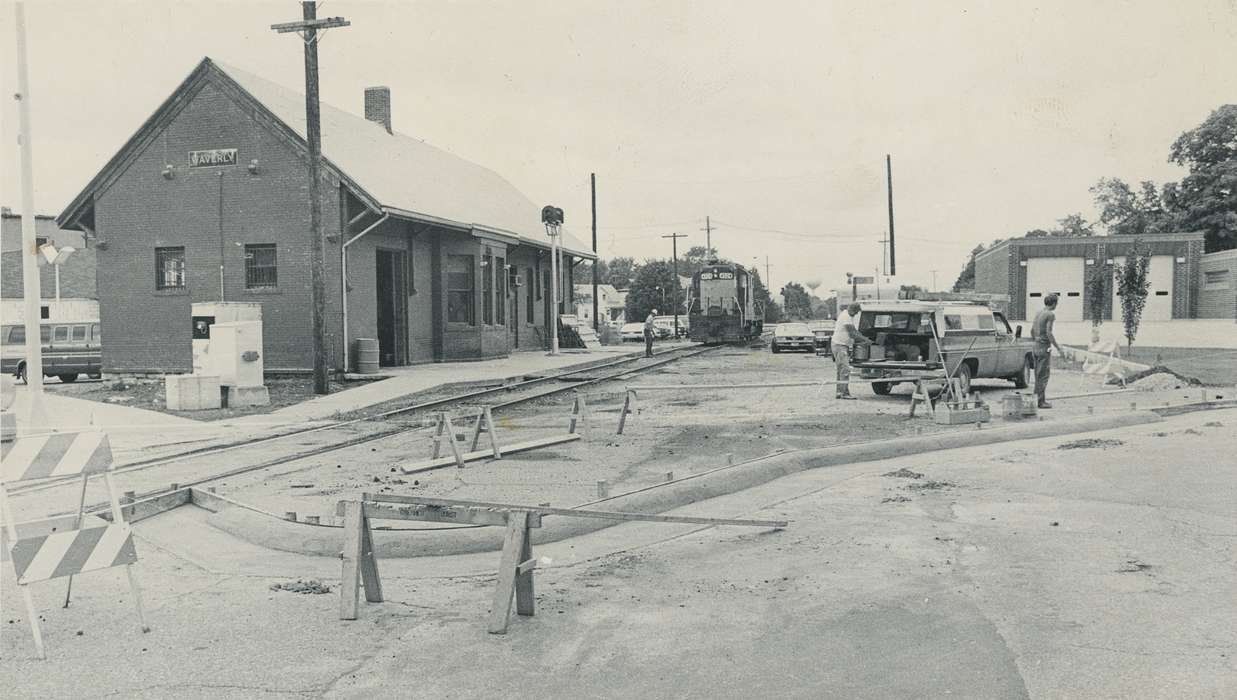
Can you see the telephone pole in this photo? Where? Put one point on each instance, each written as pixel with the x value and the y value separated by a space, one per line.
pixel 708 239
pixel 592 187
pixel 674 294
pixel 31 287
pixel 308 29
pixel 893 261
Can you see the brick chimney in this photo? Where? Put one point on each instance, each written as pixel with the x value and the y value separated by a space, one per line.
pixel 378 106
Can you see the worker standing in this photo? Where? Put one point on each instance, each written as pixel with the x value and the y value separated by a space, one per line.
pixel 650 329
pixel 845 334
pixel 1041 332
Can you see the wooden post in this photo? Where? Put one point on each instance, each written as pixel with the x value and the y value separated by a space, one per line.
pixel 485 423
pixel 81 511
pixel 577 413
pixel 525 600
pixel 919 396
pixel 10 525
pixel 513 550
pixel 354 524
pixel 119 517
pixel 438 432
pixel 628 400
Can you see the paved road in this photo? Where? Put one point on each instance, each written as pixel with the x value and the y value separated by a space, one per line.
pixel 1103 571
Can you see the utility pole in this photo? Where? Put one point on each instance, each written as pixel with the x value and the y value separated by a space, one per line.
pixel 592 187
pixel 31 288
pixel 308 29
pixel 768 277
pixel 933 280
pixel 708 239
pixel 884 266
pixel 893 261
pixel 674 291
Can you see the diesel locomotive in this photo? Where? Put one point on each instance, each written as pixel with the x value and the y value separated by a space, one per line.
pixel 722 307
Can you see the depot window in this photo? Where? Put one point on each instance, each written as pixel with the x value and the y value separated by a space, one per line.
pixel 170 268
pixel 461 288
pixel 261 271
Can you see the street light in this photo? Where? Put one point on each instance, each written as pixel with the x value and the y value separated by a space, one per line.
pixel 56 258
pixel 552 217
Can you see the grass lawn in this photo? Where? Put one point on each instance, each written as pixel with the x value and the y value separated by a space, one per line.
pixel 1211 366
pixel 284 391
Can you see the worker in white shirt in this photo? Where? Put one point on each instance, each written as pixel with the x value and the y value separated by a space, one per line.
pixel 845 334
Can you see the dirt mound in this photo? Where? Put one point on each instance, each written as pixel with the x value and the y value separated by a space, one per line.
pixel 1159 378
pixel 931 485
pixel 310 587
pixel 904 473
pixel 1090 443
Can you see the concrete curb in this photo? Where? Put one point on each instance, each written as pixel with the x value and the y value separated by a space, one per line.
pixel 328 541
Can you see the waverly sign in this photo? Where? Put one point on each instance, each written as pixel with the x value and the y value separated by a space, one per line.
pixel 213 158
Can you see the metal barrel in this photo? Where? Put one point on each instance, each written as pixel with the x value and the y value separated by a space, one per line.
pixel 367 355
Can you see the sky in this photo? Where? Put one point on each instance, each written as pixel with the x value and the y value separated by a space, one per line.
pixel 771 117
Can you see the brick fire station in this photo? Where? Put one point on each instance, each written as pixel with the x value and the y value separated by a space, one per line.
pixel 438 258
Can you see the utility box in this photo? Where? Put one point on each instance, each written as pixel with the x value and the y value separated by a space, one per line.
pixel 236 353
pixel 208 313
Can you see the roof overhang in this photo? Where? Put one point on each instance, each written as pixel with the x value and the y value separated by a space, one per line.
pixel 480 231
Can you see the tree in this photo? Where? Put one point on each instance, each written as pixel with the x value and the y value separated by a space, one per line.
pixel 1096 288
pixel 1206 198
pixel 655 287
pixel 695 258
pixel 796 301
pixel 966 278
pixel 1073 226
pixel 1132 286
pixel 620 272
pixel 584 274
pixel 829 307
pixel 1127 212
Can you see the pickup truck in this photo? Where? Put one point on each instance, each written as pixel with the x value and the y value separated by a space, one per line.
pixel 915 339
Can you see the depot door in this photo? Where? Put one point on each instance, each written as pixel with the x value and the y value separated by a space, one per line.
pixel 392 307
pixel 1159 292
pixel 1062 276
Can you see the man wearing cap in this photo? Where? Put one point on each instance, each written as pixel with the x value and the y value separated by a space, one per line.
pixel 1041 332
pixel 844 335
pixel 650 329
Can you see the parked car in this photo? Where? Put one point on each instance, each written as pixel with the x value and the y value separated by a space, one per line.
pixel 916 339
pixel 69 349
pixel 665 326
pixel 632 332
pixel 792 336
pixel 823 332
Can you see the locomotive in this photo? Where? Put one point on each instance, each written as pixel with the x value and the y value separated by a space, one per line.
pixel 722 307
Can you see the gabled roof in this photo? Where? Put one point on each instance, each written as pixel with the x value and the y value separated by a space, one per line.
pixel 404 176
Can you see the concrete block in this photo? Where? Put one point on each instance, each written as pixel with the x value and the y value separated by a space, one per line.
pixel 241 396
pixel 192 392
pixel 8 426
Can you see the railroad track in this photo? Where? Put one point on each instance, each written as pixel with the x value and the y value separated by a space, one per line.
pixel 185 468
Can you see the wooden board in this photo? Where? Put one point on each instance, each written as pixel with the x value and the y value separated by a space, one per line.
pixel 484 454
pixel 596 514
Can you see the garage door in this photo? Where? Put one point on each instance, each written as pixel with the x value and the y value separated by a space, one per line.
pixel 1159 293
pixel 1060 275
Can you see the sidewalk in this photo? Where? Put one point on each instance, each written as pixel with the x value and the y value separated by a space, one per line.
pixel 137 433
pixel 418 378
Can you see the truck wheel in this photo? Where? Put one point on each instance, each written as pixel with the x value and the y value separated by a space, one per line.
pixel 882 388
pixel 68 378
pixel 1023 379
pixel 964 378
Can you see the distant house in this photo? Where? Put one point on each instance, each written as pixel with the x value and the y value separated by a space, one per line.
pixel 611 304
pixel 434 256
pixel 77 301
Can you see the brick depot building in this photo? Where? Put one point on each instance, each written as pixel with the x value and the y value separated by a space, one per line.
pixel 438 258
pixel 1028 269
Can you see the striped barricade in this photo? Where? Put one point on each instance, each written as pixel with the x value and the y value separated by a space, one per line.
pixel 63 546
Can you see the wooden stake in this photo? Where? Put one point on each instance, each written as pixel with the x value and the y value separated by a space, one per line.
pixel 118 516
pixel 513 550
pixel 350 576
pixel 525 600
pixel 628 400
pixel 577 413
